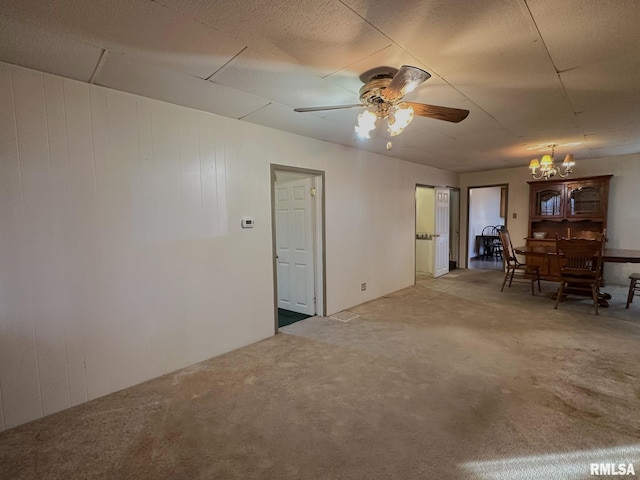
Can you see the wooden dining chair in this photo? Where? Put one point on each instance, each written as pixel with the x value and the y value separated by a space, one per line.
pixel 580 263
pixel 488 236
pixel 634 287
pixel 590 235
pixel 498 251
pixel 515 270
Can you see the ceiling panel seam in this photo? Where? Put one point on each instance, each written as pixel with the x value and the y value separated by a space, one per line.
pixel 532 21
pixel 256 110
pixel 208 79
pixel 99 65
pixel 431 70
pixel 357 61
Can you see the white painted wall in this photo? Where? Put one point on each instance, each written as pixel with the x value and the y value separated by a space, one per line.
pixel 121 252
pixel 623 230
pixel 484 210
pixel 425 205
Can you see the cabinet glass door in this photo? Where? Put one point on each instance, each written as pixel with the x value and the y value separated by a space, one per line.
pixel 585 200
pixel 548 203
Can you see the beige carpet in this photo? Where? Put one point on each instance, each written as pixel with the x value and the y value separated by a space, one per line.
pixel 449 379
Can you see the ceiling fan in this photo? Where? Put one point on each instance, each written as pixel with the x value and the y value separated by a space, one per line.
pixel 381 95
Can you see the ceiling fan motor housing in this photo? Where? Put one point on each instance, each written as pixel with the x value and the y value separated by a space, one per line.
pixel 371 93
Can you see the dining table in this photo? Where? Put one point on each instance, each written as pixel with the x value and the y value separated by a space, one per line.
pixel 610 255
pixel 485 244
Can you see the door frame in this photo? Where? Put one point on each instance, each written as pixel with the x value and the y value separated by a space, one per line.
pixel 458 192
pixel 415 219
pixel 320 280
pixel 436 230
pixel 415 225
pixel 506 214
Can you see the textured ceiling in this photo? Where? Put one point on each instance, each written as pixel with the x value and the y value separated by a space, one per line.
pixel 531 72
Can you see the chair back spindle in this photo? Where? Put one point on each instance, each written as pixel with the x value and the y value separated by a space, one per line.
pixel 580 263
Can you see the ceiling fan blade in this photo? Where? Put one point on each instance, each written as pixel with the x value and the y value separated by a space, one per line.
pixel 403 82
pixel 333 107
pixel 447 114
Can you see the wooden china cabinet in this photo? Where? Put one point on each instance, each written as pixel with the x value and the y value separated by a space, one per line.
pixel 567 208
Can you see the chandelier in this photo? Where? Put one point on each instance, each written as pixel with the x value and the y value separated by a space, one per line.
pixel 548 169
pixel 398 117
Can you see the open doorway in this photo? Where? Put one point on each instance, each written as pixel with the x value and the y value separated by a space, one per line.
pixel 432 235
pixel 487 213
pixel 297 220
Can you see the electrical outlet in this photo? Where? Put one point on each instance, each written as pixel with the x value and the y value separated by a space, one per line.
pixel 363 286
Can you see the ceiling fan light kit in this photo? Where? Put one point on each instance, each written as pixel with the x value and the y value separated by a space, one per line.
pixel 366 123
pixel 547 167
pixel 382 95
pixel 399 117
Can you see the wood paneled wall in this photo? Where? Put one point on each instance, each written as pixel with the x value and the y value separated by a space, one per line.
pixel 99 191
pixel 121 251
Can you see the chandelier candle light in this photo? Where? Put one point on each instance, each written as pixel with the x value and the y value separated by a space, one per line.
pixel 548 169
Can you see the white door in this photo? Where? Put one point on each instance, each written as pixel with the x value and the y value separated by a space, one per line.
pixel 294 246
pixel 441 250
